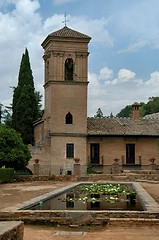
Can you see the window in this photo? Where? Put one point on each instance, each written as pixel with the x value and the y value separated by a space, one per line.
pixel 94 148
pixel 69 69
pixel 69 118
pixel 69 150
pixel 130 153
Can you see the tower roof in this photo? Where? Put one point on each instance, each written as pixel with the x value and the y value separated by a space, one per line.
pixel 66 32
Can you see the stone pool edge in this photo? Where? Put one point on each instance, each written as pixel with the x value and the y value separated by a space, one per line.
pixel 81 217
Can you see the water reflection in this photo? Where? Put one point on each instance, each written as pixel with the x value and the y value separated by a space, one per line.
pixel 76 200
pixel 69 200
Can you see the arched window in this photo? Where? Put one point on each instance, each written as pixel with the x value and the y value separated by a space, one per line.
pixel 69 69
pixel 69 118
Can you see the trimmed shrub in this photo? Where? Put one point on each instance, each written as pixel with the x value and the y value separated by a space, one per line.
pixel 6 175
pixel 23 171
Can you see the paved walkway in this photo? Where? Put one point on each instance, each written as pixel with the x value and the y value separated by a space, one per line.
pixel 106 233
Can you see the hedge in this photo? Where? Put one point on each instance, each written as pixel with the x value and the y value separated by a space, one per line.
pixel 6 175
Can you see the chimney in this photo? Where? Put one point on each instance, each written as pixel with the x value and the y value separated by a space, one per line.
pixel 136 111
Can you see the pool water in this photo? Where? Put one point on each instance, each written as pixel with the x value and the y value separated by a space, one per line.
pixel 93 197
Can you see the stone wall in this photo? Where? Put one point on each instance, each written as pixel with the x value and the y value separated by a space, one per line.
pixel 147 175
pixel 30 178
pixel 76 217
pixel 11 230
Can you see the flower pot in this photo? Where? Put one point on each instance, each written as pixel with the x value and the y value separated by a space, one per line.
pixel 116 160
pixel 152 160
pixel 36 160
pixel 76 160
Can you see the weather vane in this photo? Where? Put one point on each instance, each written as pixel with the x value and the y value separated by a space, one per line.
pixel 65 16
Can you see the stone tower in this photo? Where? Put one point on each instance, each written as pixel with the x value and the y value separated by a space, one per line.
pixel 62 133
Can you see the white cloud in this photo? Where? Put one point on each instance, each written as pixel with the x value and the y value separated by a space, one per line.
pixel 96 28
pixel 98 32
pixel 125 75
pixel 136 46
pixel 105 73
pixel 19 28
pixel 53 23
pixel 154 79
pixel 123 90
pixel 23 27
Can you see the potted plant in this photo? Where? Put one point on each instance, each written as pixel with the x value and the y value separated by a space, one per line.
pixel 76 160
pixel 116 160
pixel 36 160
pixel 152 160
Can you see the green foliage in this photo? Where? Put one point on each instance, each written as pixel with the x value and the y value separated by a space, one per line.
pixel 142 109
pixel 125 112
pixel 152 106
pixel 101 193
pixel 6 175
pixel 0 113
pixel 110 189
pixel 99 114
pixel 23 171
pixel 111 115
pixel 89 168
pixel 25 102
pixel 7 116
pixel 13 152
pixel 39 99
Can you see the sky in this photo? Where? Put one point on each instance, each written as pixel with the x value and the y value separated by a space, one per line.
pixel 124 49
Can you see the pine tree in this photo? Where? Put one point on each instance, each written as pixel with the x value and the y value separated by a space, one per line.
pixel 0 112
pixel 25 105
pixel 99 114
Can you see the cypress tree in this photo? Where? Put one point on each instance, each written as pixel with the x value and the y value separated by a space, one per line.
pixel 25 105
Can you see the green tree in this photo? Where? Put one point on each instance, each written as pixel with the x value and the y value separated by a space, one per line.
pixel 25 105
pixel 152 106
pixel 1 113
pixel 111 115
pixel 125 112
pixel 142 109
pixel 7 116
pixel 38 96
pixel 99 114
pixel 13 152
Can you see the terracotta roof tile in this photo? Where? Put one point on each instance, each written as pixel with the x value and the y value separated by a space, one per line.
pixel 123 126
pixel 153 115
pixel 68 32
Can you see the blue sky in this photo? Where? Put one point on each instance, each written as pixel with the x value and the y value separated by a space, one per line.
pixel 124 50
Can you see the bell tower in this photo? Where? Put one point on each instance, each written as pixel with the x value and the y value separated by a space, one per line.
pixel 65 114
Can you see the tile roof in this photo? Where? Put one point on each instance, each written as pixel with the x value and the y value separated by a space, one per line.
pixel 69 33
pixel 152 116
pixel 123 126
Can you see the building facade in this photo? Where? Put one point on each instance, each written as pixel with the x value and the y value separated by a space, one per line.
pixel 65 134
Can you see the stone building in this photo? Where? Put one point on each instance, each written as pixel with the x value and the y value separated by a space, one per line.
pixel 65 134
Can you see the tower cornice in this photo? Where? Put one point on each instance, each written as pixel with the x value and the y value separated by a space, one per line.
pixel 65 83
